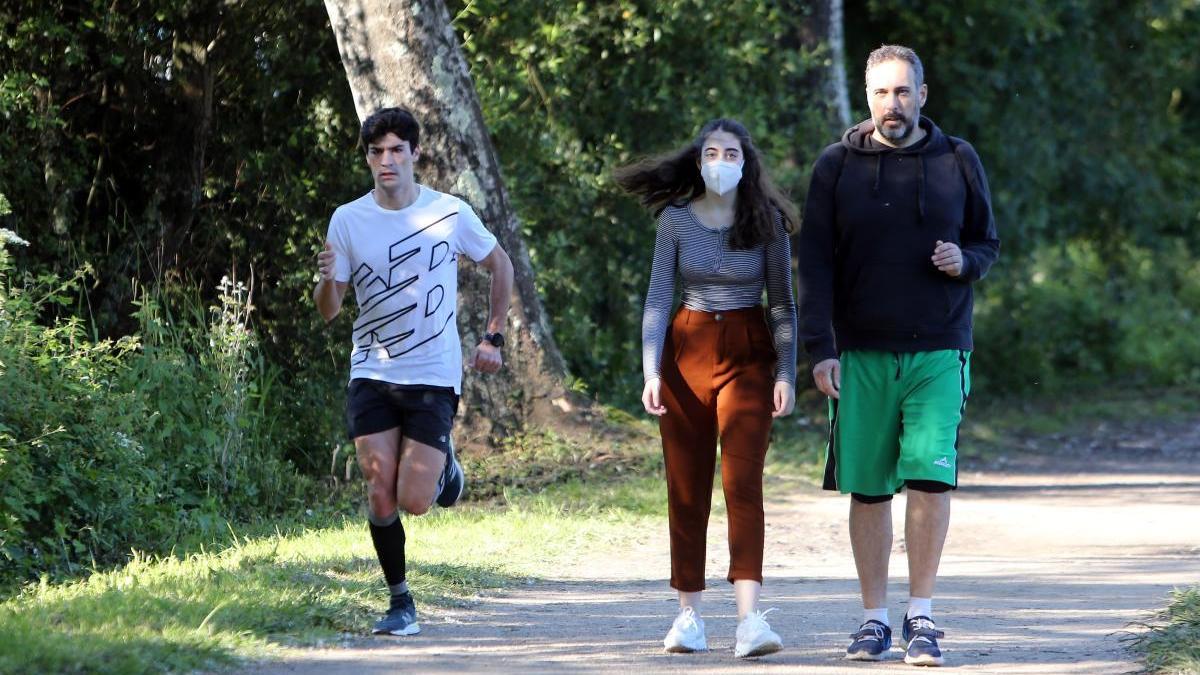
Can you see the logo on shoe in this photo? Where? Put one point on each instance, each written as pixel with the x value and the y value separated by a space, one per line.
pixel 442 439
pixel 943 462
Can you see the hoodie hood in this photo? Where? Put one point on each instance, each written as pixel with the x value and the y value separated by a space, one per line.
pixel 858 139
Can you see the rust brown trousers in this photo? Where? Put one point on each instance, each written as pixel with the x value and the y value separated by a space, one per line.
pixel 718 380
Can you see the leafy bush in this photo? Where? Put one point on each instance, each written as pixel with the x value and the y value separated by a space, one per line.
pixel 572 90
pixel 1077 109
pixel 1076 315
pixel 134 443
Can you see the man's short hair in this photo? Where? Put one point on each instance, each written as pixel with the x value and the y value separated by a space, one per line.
pixel 390 121
pixel 896 53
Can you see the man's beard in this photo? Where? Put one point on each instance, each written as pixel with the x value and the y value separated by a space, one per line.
pixel 896 135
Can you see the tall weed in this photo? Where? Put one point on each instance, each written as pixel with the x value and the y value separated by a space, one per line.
pixel 136 443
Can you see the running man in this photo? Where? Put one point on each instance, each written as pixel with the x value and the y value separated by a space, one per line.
pixel 398 245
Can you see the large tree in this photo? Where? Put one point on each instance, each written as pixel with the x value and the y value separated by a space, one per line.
pixel 821 33
pixel 405 53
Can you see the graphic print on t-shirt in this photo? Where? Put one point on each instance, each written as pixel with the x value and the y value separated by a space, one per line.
pixel 403 267
pixel 371 329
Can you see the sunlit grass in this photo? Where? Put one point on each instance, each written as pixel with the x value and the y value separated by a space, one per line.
pixel 1171 643
pixel 211 609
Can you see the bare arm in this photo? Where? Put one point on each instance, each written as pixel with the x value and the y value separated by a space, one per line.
pixel 329 293
pixel 487 358
pixel 500 266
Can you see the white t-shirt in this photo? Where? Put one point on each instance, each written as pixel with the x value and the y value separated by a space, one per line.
pixel 403 266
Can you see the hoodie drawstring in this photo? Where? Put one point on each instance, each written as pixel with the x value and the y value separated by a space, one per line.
pixel 921 187
pixel 856 140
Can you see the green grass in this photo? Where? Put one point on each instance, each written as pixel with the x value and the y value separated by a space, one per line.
pixel 211 610
pixel 1171 643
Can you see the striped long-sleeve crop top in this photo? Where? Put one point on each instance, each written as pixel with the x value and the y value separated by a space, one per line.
pixel 718 278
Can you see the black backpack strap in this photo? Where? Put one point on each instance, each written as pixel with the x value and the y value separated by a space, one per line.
pixel 841 166
pixel 967 174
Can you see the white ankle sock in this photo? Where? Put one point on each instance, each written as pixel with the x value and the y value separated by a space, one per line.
pixel 919 607
pixel 879 615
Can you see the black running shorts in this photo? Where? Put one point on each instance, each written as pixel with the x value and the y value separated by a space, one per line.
pixel 423 413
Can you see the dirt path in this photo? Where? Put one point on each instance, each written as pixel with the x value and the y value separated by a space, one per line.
pixel 1051 552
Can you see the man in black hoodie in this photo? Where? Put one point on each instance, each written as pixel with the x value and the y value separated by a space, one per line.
pixel 897 225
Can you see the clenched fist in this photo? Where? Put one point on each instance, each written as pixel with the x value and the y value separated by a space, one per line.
pixel 325 262
pixel 947 256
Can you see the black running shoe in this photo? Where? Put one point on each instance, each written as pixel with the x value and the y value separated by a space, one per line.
pixel 871 642
pixel 920 637
pixel 401 618
pixel 453 481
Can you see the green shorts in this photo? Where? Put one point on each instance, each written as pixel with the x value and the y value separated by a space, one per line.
pixel 897 420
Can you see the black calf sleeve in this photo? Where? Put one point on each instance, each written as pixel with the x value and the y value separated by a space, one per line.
pixel 389 546
pixel 870 499
pixel 934 486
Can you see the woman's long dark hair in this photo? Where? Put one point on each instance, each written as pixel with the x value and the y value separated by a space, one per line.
pixel 674 178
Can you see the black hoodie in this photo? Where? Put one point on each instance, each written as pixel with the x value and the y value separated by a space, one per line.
pixel 873 217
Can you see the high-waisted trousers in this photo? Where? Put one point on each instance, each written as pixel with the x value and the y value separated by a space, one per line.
pixel 717 384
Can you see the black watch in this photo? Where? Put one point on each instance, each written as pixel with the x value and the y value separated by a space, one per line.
pixel 494 339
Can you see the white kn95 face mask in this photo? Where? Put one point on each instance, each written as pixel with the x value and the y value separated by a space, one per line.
pixel 720 176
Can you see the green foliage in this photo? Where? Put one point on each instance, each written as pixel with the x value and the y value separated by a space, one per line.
pixel 165 143
pixel 1072 317
pixel 1077 108
pixel 572 90
pixel 107 445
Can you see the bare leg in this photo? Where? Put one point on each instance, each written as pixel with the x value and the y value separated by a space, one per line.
pixel 417 476
pixel 378 455
pixel 691 600
pixel 746 592
pixel 871 540
pixel 926 521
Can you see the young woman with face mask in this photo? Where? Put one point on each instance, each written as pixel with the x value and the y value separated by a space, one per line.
pixel 722 368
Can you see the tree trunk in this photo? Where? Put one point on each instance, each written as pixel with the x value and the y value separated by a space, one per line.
pixel 405 53
pixel 837 88
pixel 192 89
pixel 821 32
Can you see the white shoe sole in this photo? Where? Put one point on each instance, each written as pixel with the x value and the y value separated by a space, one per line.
pixel 462 487
pixel 410 629
pixel 768 647
pixel 924 660
pixel 865 656
pixel 679 647
pixel 683 649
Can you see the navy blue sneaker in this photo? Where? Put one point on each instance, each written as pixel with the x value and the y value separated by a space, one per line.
pixel 453 481
pixel 920 637
pixel 401 618
pixel 871 642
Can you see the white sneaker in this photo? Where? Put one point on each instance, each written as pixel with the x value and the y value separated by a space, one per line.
pixel 686 634
pixel 755 637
